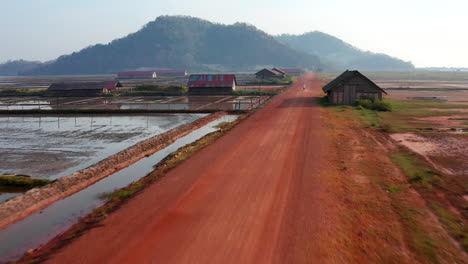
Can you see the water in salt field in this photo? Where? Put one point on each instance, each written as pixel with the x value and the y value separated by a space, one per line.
pixel 39 228
pixel 53 146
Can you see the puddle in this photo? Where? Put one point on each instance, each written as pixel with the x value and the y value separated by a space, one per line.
pixel 42 226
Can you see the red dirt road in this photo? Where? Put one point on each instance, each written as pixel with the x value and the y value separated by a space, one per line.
pixel 254 196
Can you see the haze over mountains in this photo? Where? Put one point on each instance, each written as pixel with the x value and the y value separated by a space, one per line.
pixel 199 45
pixel 337 54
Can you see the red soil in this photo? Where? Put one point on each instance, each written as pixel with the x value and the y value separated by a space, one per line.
pixel 254 196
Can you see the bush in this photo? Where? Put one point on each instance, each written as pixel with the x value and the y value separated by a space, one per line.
pixel 21 181
pixel 159 89
pixel 284 81
pixel 374 105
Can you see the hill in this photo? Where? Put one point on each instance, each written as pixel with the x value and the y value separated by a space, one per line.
pixel 183 42
pixel 13 68
pixel 340 55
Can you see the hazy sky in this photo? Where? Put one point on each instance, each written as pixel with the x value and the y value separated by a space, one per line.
pixel 425 32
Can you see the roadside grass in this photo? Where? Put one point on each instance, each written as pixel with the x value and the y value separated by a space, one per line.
pixel 20 181
pixel 402 116
pixel 419 240
pixel 427 182
pixel 415 170
pixel 454 225
pixel 256 93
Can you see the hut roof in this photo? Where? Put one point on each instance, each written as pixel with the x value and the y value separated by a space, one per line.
pixel 292 70
pixel 279 71
pixel 212 80
pixel 346 76
pixel 112 85
pixel 268 71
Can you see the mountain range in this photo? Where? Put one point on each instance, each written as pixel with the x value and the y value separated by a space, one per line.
pixel 195 44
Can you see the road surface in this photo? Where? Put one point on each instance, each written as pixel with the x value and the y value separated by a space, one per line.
pixel 254 196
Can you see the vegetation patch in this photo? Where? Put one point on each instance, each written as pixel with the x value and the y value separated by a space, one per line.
pixel 284 81
pixel 151 89
pixel 428 183
pixel 415 169
pixel 454 225
pixel 21 181
pixel 255 93
pixel 376 105
pixel 23 92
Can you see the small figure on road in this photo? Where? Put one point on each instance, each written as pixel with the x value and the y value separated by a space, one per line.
pixel 303 86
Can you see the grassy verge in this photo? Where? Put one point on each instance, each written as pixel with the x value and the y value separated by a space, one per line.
pixel 23 92
pixel 424 239
pixel 284 81
pixel 23 182
pixel 118 197
pixel 255 93
pixel 150 89
pixel 427 182
pixel 402 116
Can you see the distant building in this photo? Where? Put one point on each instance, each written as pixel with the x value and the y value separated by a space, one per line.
pixel 82 88
pixel 269 74
pixel 280 71
pixel 293 72
pixel 171 73
pixel 351 86
pixel 137 75
pixel 211 84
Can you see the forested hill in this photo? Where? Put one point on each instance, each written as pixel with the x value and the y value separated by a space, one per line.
pixel 12 68
pixel 183 42
pixel 340 55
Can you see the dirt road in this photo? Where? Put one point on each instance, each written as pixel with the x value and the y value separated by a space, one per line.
pixel 254 196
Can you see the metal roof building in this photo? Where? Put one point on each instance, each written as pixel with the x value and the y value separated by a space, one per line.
pixel 211 84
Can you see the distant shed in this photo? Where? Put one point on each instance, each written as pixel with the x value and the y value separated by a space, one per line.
pixel 351 86
pixel 211 84
pixel 82 88
pixel 269 74
pixel 137 75
pixel 171 73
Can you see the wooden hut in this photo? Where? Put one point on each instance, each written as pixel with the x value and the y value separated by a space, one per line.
pixel 82 88
pixel 351 86
pixel 211 84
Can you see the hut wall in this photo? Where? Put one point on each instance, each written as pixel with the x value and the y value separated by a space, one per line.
pixel 352 90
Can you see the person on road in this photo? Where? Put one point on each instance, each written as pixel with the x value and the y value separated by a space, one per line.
pixel 303 86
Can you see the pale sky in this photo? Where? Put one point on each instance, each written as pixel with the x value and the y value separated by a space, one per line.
pixel 425 32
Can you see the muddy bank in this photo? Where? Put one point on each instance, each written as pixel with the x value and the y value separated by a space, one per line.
pixel 39 198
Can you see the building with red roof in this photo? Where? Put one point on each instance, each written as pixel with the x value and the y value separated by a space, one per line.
pixel 211 84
